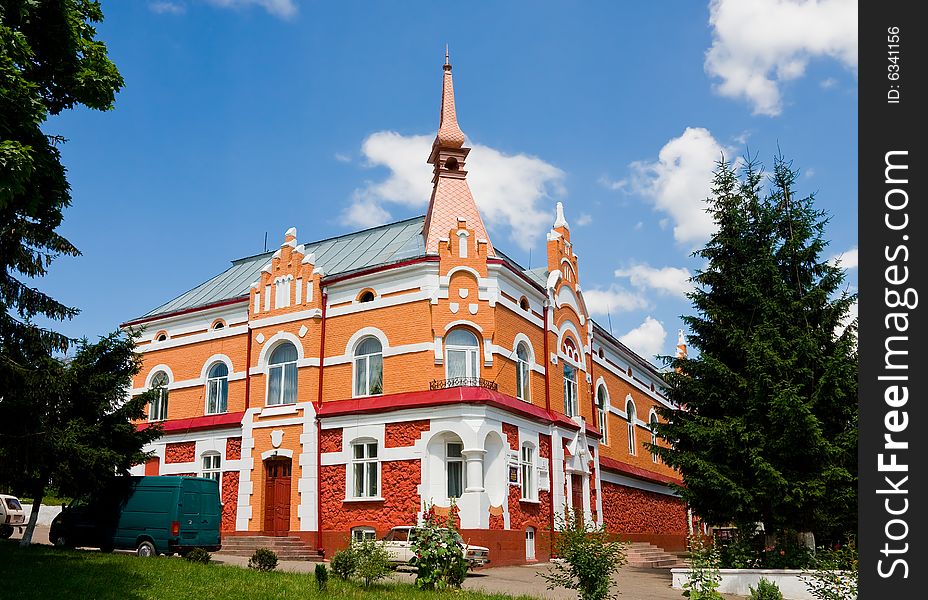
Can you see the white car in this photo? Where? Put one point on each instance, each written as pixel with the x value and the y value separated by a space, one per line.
pixel 11 515
pixel 398 544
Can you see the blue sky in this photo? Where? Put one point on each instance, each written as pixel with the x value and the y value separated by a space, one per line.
pixel 241 117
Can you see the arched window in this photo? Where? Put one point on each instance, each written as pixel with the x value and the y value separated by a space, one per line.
pixel 529 484
pixel 570 390
pixel 461 353
pixel 368 367
pixel 281 387
pixel 523 304
pixel 631 414
pixel 158 409
pixel 217 389
pixel 523 372
pixel 211 465
pixel 365 469
pixel 653 421
pixel 602 406
pixel 366 296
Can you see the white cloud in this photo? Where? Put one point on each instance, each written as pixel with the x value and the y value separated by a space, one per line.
pixel 639 225
pixel 164 7
pixel 609 184
pixel 613 299
pixel 345 158
pixel 851 315
pixel 647 339
pixel 846 260
pixel 673 281
pixel 279 8
pixel 828 83
pixel 511 191
pixel 584 219
pixel 679 182
pixel 759 44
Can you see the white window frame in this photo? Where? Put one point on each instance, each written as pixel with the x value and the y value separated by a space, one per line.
pixel 471 356
pixel 215 384
pixel 161 402
pixel 360 534
pixel 454 460
pixel 211 463
pixel 365 462
pixel 571 391
pixel 523 373
pixel 271 367
pixel 529 476
pixel 652 421
pixel 632 415
pixel 602 408
pixel 366 360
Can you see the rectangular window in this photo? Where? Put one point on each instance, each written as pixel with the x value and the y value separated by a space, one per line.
pixel 365 470
pixel 211 466
pixel 360 534
pixel 282 292
pixel 159 407
pixel 455 465
pixel 570 391
pixel 217 395
pixel 528 473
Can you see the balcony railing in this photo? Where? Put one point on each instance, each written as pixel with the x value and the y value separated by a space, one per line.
pixel 441 384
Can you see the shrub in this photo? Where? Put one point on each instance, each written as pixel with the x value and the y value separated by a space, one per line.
pixel 322 577
pixel 264 559
pixel 372 562
pixel 439 553
pixel 344 563
pixel 589 557
pixel 704 570
pixel 198 555
pixel 833 575
pixel 766 590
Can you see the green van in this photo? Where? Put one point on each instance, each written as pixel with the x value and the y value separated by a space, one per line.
pixel 151 515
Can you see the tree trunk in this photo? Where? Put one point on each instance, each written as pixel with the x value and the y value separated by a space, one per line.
pixel 37 496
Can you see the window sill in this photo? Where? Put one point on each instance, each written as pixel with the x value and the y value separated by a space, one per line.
pixel 365 499
pixel 529 501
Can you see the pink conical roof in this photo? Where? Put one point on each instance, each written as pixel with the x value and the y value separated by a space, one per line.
pixel 449 132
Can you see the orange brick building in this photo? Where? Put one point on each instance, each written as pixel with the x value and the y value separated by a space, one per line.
pixel 336 387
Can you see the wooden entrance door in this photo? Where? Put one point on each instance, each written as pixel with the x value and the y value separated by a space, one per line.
pixel 576 494
pixel 277 496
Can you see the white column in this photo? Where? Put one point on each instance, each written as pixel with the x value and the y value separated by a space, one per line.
pixel 474 460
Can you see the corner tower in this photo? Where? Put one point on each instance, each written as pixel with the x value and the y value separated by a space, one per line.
pixel 451 202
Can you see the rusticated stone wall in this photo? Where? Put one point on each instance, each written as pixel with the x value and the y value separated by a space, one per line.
pixel 331 441
pixel 400 505
pixel 234 448
pixel 180 452
pixel 631 511
pixel 512 435
pixel 229 499
pixel 399 435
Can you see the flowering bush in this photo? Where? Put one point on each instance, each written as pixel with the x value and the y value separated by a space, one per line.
pixel 372 562
pixel 439 556
pixel 834 573
pixel 705 577
pixel 588 558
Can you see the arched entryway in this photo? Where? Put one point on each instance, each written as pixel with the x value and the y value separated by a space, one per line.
pixel 277 495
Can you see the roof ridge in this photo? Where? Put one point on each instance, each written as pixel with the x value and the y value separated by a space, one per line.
pixel 329 239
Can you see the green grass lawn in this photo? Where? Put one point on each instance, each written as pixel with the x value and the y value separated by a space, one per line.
pixel 45 573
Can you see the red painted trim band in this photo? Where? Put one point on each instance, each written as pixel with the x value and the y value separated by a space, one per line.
pixel 610 464
pixel 185 311
pixel 198 423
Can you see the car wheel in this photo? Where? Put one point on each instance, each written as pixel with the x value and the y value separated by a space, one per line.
pixel 5 531
pixel 62 542
pixel 146 549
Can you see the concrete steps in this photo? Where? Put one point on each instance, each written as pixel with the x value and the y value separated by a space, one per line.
pixel 643 554
pixel 287 548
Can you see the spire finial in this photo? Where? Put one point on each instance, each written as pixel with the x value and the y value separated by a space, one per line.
pixel 560 221
pixel 447 57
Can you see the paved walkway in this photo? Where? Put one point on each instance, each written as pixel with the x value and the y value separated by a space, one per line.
pixel 632 583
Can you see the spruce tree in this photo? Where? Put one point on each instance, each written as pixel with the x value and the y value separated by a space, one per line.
pixel 765 429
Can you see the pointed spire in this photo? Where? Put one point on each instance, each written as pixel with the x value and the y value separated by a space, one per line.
pixel 681 344
pixel 452 202
pixel 560 221
pixel 449 132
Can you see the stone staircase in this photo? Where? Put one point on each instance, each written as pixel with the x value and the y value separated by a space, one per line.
pixel 643 554
pixel 287 548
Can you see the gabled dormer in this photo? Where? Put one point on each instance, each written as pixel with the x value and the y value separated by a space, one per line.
pixel 290 282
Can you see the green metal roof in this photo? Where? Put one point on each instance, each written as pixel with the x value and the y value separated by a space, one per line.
pixel 359 250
